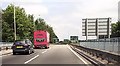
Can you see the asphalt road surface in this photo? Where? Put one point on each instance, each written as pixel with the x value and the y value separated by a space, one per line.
pixel 56 54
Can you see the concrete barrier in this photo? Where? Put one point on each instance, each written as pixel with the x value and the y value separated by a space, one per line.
pixel 109 44
pixel 5 45
pixel 5 52
pixel 5 48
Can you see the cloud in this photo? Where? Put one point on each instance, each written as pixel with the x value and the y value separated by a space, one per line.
pixel 65 16
pixel 63 1
pixel 21 1
pixel 35 9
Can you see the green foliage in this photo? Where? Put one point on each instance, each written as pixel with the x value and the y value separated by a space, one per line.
pixel 116 29
pixel 40 24
pixel 24 24
pixel 7 24
pixel 66 41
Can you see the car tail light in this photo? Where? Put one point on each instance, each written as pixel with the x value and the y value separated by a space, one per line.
pixel 26 45
pixel 13 46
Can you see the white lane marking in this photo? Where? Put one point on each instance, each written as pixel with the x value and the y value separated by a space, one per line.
pixel 31 59
pixel 91 60
pixel 46 50
pixel 76 54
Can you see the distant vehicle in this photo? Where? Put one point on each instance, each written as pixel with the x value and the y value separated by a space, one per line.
pixel 22 46
pixel 41 39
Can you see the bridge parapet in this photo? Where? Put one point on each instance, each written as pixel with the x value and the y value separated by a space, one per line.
pixel 106 49
pixel 111 45
pixel 101 57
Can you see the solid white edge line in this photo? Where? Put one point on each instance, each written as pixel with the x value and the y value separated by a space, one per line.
pixel 31 59
pixel 91 60
pixel 77 55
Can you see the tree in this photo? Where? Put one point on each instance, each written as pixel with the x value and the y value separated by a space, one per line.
pixel 116 29
pixel 40 24
pixel 24 24
pixel 7 24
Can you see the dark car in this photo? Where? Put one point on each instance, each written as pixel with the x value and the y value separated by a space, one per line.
pixel 23 46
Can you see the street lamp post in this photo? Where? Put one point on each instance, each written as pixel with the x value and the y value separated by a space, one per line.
pixel 14 25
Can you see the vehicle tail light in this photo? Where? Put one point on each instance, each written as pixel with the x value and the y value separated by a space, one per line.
pixel 26 45
pixel 13 46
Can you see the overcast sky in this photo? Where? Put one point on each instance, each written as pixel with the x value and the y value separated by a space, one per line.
pixel 65 16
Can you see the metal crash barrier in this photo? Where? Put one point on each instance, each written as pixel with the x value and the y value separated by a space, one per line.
pixel 111 45
pixel 106 49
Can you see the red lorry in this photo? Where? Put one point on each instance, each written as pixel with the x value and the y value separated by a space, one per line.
pixel 41 39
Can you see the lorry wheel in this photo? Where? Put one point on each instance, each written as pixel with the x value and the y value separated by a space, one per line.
pixel 46 47
pixel 32 51
pixel 35 47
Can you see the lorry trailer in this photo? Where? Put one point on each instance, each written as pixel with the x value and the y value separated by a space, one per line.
pixel 41 39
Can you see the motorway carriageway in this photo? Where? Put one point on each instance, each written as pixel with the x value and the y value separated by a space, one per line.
pixel 56 54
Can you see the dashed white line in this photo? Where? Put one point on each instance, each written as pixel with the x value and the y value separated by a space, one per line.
pixel 77 55
pixel 49 48
pixel 46 50
pixel 31 59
